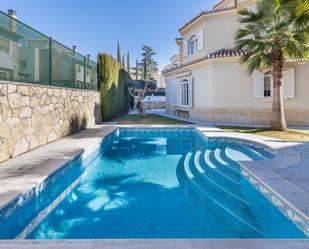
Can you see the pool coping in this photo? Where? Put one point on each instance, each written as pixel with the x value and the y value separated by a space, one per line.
pixel 266 172
pixel 158 244
pixel 23 173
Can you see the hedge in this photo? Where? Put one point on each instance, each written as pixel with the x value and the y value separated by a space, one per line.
pixel 112 82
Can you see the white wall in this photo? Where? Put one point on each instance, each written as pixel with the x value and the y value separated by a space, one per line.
pixel 202 87
pixel 219 32
pixel 186 37
pixel 234 88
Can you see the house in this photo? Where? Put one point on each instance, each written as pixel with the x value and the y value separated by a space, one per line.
pixel 25 57
pixel 23 53
pixel 208 81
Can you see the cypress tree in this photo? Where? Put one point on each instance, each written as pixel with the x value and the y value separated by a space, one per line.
pixel 113 87
pixel 123 64
pixel 128 63
pixel 118 53
pixel 136 71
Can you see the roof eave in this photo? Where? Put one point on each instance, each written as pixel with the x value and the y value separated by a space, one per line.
pixel 203 15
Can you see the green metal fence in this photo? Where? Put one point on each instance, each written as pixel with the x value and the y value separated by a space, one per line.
pixel 27 55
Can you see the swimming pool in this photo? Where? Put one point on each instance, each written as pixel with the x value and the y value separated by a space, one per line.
pixel 151 183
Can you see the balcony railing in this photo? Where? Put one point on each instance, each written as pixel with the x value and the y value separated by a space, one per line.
pixel 27 55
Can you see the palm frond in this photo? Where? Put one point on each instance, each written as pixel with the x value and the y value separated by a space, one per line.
pixel 276 25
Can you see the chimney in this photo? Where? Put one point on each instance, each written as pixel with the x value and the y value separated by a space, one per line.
pixel 74 48
pixel 88 56
pixel 12 13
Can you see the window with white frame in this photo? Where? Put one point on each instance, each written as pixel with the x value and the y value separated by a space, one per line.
pixel 184 93
pixel 193 45
pixel 267 85
pixel 263 84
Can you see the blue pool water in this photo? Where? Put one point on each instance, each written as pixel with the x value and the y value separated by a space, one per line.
pixel 158 184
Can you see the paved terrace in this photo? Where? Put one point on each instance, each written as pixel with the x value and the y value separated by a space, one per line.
pixel 287 174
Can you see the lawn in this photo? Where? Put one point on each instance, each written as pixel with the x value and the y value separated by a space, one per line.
pixel 150 119
pixel 289 135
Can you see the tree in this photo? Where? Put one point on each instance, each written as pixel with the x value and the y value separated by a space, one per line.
pixel 113 86
pixel 136 69
pixel 123 64
pixel 118 53
pixel 149 65
pixel 138 90
pixel 272 34
pixel 128 63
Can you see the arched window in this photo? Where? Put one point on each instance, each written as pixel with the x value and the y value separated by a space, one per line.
pixel 184 92
pixel 192 46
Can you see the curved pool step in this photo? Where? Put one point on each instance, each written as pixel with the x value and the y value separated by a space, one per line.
pixel 218 169
pixel 216 175
pixel 224 168
pixel 243 153
pixel 232 194
pixel 221 157
pixel 235 215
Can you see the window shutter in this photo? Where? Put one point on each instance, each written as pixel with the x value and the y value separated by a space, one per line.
pixel 258 84
pixel 190 93
pixel 289 84
pixel 200 40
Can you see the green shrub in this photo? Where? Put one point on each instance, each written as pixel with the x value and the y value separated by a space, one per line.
pixel 112 82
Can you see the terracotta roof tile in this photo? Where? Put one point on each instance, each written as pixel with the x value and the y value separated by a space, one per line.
pixel 216 54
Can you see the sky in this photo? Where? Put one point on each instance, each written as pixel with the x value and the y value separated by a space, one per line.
pixel 97 25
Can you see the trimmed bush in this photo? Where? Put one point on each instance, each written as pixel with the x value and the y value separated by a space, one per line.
pixel 112 82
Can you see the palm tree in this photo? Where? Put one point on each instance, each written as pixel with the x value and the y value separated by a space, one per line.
pixel 277 31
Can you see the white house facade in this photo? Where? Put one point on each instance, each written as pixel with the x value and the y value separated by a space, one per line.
pixel 210 83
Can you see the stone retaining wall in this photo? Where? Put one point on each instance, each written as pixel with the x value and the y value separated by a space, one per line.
pixel 150 105
pixel 32 115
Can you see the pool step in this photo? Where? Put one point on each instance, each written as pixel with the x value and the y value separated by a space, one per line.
pixel 242 153
pixel 221 157
pixel 224 168
pixel 231 193
pixel 208 166
pixel 209 193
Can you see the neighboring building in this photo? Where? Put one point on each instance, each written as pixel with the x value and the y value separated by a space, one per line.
pixel 210 83
pixel 22 59
pixel 174 62
pixel 25 55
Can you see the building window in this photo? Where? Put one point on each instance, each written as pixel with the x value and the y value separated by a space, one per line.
pixel 3 75
pixel 23 64
pixel 192 49
pixel 79 70
pixel 4 46
pixel 267 85
pixel 184 93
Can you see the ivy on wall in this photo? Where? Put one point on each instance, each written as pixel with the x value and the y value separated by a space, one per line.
pixel 112 83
